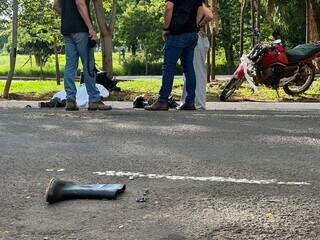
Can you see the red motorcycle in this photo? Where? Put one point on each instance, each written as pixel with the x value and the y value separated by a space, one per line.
pixel 271 65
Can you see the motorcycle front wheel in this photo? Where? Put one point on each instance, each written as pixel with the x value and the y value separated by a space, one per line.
pixel 229 89
pixel 302 82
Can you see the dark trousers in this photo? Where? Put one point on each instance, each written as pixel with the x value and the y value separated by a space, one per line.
pixel 179 47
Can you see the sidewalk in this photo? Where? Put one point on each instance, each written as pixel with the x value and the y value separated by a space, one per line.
pixel 227 106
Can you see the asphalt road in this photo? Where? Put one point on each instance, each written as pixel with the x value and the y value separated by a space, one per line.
pixel 218 174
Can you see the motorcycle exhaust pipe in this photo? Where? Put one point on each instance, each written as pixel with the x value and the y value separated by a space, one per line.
pixel 59 190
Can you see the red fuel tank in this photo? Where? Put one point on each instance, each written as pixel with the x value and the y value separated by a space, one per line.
pixel 275 54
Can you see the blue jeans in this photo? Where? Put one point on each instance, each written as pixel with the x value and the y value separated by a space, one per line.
pixel 179 47
pixel 76 45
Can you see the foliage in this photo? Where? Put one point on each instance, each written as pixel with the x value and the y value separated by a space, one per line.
pixel 141 24
pixel 4 33
pixel 38 30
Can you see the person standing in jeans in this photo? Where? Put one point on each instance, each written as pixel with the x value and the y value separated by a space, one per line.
pixel 200 59
pixel 78 31
pixel 180 34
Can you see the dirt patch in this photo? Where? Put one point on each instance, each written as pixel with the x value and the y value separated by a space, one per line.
pixel 130 96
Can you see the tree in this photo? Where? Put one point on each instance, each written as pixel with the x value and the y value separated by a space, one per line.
pixel 229 12
pixel 106 30
pixel 13 52
pixel 141 25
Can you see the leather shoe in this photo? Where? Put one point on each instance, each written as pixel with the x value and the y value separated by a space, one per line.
pixel 158 106
pixel 187 107
pixel 71 105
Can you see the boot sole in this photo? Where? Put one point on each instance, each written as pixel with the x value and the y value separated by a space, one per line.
pixel 97 109
pixel 154 110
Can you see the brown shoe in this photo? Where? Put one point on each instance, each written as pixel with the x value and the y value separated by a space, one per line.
pixel 94 106
pixel 187 107
pixel 158 106
pixel 71 105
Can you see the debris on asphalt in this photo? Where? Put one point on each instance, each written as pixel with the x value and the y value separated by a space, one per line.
pixel 121 226
pixel 61 170
pixel 49 170
pixel 144 197
pixel 131 178
pixel 142 200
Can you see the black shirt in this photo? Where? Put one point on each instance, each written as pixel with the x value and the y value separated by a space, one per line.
pixel 184 19
pixel 71 20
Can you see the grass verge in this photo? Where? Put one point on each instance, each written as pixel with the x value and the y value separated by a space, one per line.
pixel 44 90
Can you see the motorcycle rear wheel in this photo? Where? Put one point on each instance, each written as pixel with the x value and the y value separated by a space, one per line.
pixel 303 82
pixel 229 89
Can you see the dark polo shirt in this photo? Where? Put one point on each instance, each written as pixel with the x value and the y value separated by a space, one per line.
pixel 71 20
pixel 184 19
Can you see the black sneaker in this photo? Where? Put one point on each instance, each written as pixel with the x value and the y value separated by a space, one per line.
pixel 187 107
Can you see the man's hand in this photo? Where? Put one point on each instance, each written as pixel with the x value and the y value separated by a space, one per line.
pixel 204 16
pixel 84 12
pixel 165 35
pixel 57 6
pixel 92 34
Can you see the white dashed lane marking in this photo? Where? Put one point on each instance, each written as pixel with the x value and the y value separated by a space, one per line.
pixel 203 179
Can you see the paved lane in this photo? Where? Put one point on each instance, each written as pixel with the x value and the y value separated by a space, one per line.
pixel 211 175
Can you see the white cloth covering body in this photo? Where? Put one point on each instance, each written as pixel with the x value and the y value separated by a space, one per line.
pixel 82 96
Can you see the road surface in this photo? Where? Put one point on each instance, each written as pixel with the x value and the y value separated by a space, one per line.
pixel 210 175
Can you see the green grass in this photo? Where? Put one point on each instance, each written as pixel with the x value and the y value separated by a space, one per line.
pixel 32 86
pixel 24 67
pixel 36 90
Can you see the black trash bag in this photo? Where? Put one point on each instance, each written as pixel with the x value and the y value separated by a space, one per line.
pixel 172 102
pixel 103 79
pixel 140 102
pixel 54 103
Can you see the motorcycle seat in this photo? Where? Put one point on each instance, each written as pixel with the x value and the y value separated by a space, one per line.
pixel 302 52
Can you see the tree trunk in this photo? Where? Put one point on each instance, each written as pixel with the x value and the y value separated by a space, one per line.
pixel 147 63
pixel 41 69
pixel 243 6
pixel 106 30
pixel 209 61
pixel 13 51
pixel 38 59
pixel 106 47
pixel 230 58
pixel 312 24
pixel 58 75
pixel 253 23
pixel 307 21
pixel 213 56
pixel 258 22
